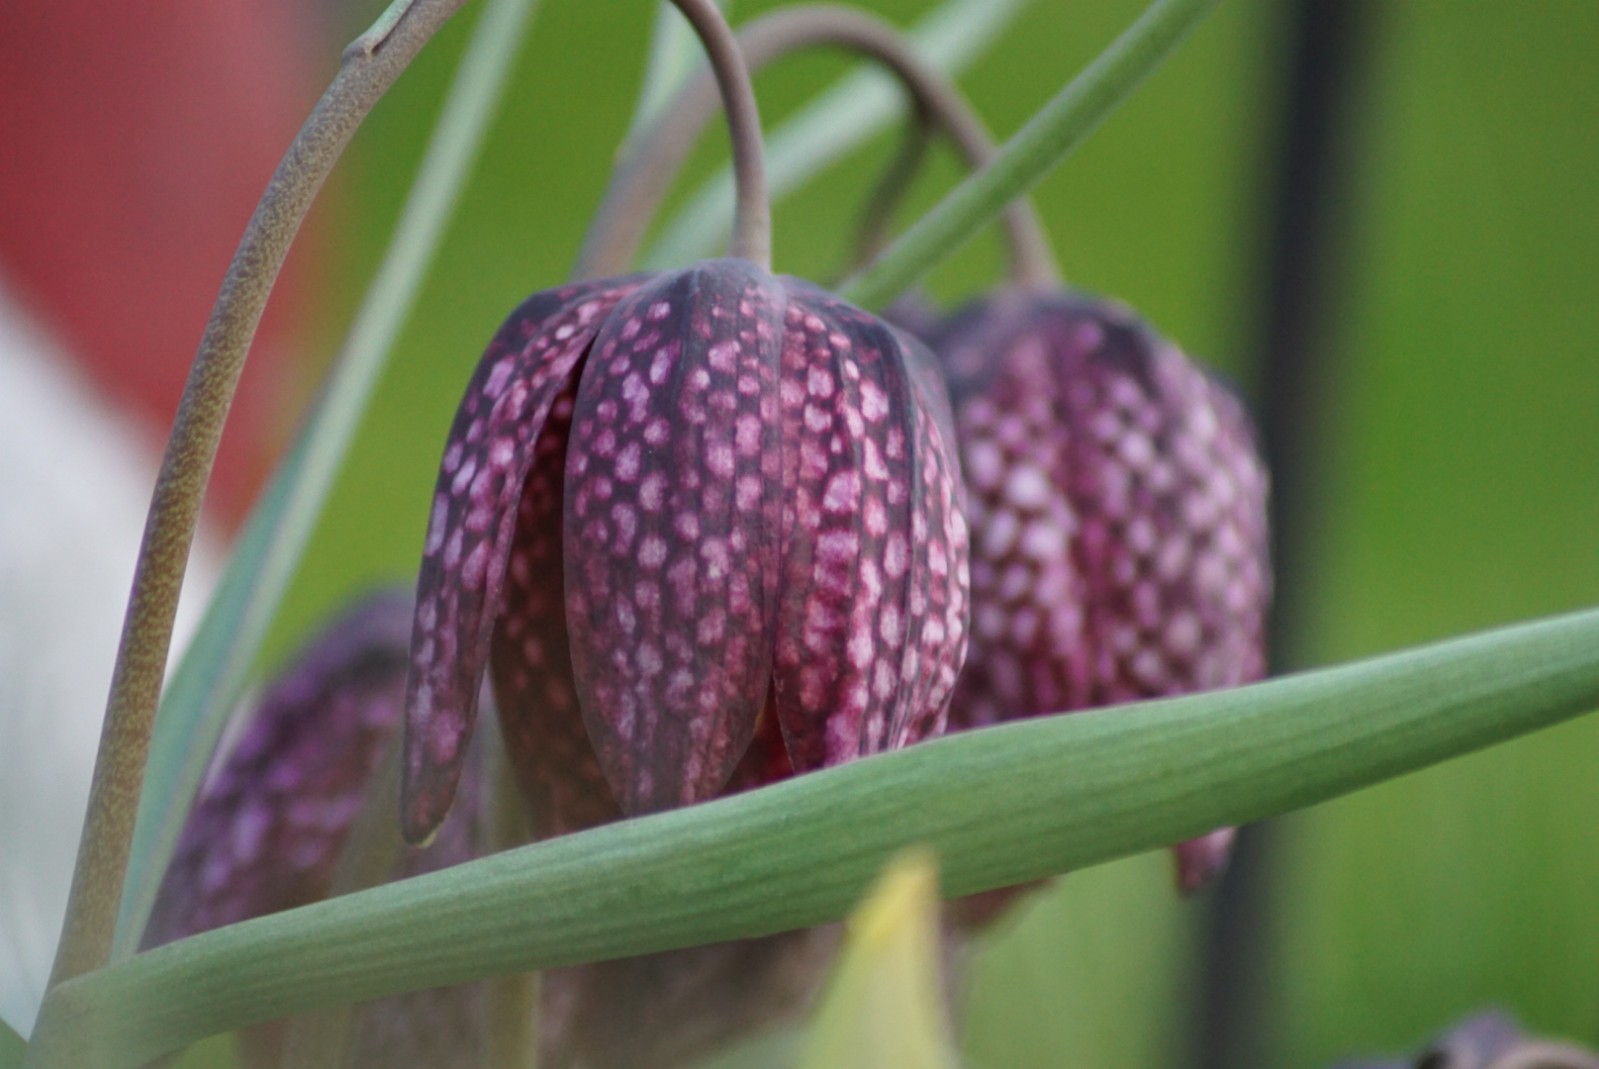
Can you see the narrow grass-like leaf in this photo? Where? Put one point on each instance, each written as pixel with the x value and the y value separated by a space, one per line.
pixel 830 126
pixel 1046 140
pixel 211 676
pixel 999 806
pixel 885 1004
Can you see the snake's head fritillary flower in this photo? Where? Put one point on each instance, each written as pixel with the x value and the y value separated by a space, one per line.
pixel 1118 513
pixel 676 512
pixel 267 831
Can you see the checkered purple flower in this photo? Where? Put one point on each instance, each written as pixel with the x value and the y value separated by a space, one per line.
pixel 702 528
pixel 1118 513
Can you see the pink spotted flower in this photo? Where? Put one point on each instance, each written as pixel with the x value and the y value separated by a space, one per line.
pixel 702 529
pixel 1118 513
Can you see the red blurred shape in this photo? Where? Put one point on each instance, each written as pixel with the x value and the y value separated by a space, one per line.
pixel 134 142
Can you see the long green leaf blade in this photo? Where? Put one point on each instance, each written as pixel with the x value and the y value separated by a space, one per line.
pixel 211 677
pixel 830 126
pixel 1046 139
pixel 999 806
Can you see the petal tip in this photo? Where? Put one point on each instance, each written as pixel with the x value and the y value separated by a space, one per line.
pixel 1201 861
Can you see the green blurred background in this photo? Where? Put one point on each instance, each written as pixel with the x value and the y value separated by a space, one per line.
pixel 1454 483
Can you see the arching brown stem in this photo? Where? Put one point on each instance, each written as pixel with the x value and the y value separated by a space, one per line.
pixel 371 64
pixel 752 209
pixel 641 181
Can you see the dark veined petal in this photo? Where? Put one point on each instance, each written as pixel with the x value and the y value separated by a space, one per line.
pixel 1172 497
pixel 1489 1039
pixel 1028 645
pixel 531 660
pixel 487 455
pixel 872 625
pixel 265 832
pixel 671 530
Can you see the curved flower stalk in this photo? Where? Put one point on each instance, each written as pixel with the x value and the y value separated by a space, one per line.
pixel 73 473
pixel 1118 513
pixel 644 176
pixel 106 284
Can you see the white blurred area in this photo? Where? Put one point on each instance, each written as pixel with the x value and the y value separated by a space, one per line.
pixel 75 482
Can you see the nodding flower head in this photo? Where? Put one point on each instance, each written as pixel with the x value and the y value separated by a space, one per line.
pixel 702 527
pixel 1118 514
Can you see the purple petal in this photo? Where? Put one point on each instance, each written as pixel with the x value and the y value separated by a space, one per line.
pixel 486 460
pixel 671 531
pixel 872 626
pixel 265 833
pixel 531 660
pixel 1117 506
pixel 1201 860
pixel 1171 496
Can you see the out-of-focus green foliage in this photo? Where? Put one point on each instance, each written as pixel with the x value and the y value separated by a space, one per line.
pixel 884 1006
pixel 1460 477
pixel 1464 490
pixel 11 1047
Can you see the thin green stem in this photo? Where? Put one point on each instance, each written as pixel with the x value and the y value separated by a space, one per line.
pixel 832 124
pixel 370 66
pixel 642 179
pixel 213 671
pixel 752 208
pixel 1000 806
pixel 1043 142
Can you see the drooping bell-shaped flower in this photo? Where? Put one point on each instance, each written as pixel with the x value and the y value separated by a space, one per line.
pixel 677 513
pixel 1118 514
pixel 267 832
